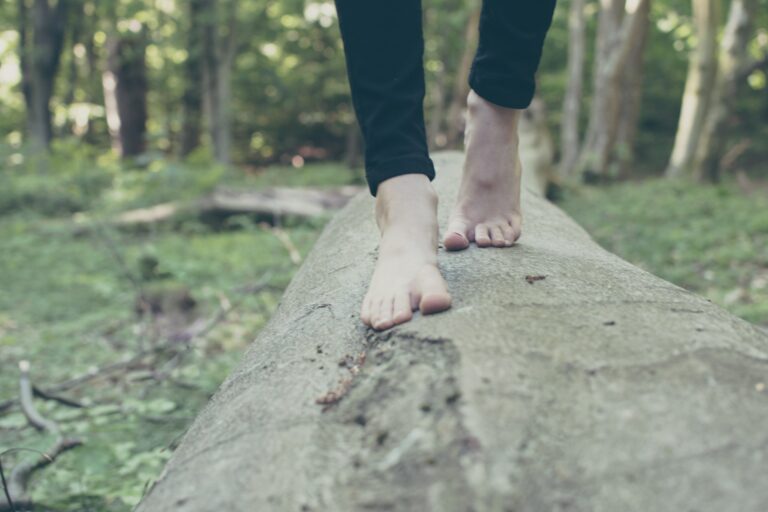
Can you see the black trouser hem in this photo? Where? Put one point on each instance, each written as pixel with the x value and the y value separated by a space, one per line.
pixel 375 174
pixel 519 97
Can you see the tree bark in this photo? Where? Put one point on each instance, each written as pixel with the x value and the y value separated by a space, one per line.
pixel 455 119
pixel 125 93
pixel 539 152
pixel 192 99
pixel 698 88
pixel 437 139
pixel 219 46
pixel 733 59
pixel 40 63
pixel 571 380
pixel 569 131
pixel 620 24
pixel 631 94
pixel 353 153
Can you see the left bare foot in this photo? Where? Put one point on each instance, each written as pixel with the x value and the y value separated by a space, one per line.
pixel 406 276
pixel 487 209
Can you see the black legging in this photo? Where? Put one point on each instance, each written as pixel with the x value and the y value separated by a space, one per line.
pixel 384 48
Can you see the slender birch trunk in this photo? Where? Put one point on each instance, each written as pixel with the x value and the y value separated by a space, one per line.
pixel 619 28
pixel 631 91
pixel 455 130
pixel 732 60
pixel 698 88
pixel 569 133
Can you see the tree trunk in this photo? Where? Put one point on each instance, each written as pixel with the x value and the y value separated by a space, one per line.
pixel 455 128
pixel 40 63
pixel 619 27
pixel 125 93
pixel 698 88
pixel 631 91
pixel 571 380
pixel 75 36
pixel 539 152
pixel 353 154
pixel 192 99
pixel 436 136
pixel 218 56
pixel 569 132
pixel 731 63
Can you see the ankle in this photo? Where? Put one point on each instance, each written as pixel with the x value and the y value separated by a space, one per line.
pixel 409 197
pixel 477 106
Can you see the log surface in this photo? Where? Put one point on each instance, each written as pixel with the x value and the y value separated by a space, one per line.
pixel 598 388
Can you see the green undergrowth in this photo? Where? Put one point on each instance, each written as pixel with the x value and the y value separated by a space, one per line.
pixel 712 240
pixel 75 301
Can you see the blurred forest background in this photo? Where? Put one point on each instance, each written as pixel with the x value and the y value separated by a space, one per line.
pixel 166 165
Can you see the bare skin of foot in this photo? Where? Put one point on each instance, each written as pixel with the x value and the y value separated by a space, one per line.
pixel 406 277
pixel 487 209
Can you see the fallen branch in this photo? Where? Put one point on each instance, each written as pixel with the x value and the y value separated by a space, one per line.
pixel 285 239
pixel 27 405
pixel 18 481
pixel 15 487
pixel 180 339
pixel 46 395
pixel 273 202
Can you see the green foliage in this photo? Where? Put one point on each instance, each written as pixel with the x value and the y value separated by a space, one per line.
pixel 289 84
pixel 711 240
pixel 68 304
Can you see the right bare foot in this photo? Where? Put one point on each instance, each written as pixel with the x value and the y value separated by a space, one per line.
pixel 406 277
pixel 487 209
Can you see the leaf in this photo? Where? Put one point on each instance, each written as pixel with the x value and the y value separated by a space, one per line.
pixel 13 421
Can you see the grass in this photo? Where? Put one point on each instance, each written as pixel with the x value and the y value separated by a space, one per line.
pixel 68 305
pixel 68 302
pixel 712 240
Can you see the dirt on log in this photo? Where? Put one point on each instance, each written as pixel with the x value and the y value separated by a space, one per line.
pixel 564 378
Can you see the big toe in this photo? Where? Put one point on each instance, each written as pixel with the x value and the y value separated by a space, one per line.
pixel 434 303
pixel 434 292
pixel 456 237
pixel 455 241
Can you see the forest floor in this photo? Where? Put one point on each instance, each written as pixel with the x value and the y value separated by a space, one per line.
pixel 72 303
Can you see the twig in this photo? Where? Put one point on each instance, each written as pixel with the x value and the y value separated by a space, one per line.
pixel 185 338
pixel 285 239
pixel 6 490
pixel 19 478
pixel 45 395
pixel 28 407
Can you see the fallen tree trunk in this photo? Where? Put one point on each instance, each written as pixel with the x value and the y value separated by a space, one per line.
pixel 274 202
pixel 563 378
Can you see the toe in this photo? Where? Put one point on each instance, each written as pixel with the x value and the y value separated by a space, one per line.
pixel 516 222
pixel 497 237
pixel 402 311
pixel 365 311
pixel 509 234
pixel 384 318
pixel 375 312
pixel 455 238
pixel 455 241
pixel 482 236
pixel 434 293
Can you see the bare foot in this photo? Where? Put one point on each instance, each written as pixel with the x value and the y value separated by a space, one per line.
pixel 406 277
pixel 487 209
